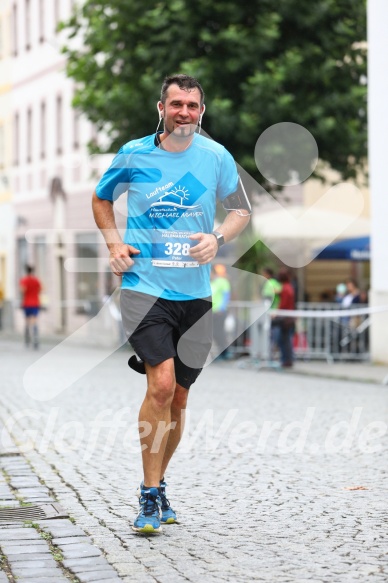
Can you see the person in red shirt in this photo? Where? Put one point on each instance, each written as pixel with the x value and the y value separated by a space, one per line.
pixel 30 287
pixel 287 325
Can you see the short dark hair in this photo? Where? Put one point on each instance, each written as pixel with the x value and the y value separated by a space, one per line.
pixel 268 270
pixel 184 82
pixel 352 281
pixel 284 276
pixel 29 269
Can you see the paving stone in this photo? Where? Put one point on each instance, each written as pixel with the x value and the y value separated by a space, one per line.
pixel 24 534
pixel 82 562
pixel 24 483
pixel 109 573
pixel 5 495
pixel 41 490
pixel 34 548
pixel 126 568
pixel 91 568
pixel 38 564
pixel 25 542
pixel 59 531
pixel 80 550
pixel 122 556
pixel 58 579
pixel 45 572
pixel 71 540
pixel 43 556
pixel 9 503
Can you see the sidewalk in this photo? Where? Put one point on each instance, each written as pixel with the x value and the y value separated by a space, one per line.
pixel 365 372
pixel 268 483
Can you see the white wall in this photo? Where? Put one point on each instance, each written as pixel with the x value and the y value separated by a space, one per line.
pixel 378 132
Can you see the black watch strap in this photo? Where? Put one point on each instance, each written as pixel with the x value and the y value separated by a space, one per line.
pixel 219 237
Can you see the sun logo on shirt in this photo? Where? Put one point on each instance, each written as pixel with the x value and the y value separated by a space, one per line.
pixel 179 192
pixel 177 197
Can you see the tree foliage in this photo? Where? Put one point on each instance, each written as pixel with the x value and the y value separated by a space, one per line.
pixel 260 63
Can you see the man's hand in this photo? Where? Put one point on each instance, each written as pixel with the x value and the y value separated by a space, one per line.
pixel 120 257
pixel 206 249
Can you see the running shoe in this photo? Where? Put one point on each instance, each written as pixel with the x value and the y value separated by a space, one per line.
pixel 136 364
pixel 168 515
pixel 148 519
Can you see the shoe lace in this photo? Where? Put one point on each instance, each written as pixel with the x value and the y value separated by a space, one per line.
pixel 164 499
pixel 149 503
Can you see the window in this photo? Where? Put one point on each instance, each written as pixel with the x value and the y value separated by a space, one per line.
pixel 15 30
pixel 29 136
pixel 41 21
pixel 59 125
pixel 76 120
pixel 57 15
pixel 94 136
pixel 27 13
pixel 87 281
pixel 16 140
pixel 21 260
pixel 40 259
pixel 42 129
pixel 1 38
pixel 2 147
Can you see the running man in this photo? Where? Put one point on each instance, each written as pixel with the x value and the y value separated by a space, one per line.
pixel 173 179
pixel 30 287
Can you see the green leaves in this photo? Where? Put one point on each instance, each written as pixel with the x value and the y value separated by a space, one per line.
pixel 259 63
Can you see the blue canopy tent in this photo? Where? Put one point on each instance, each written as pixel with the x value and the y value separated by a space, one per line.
pixel 357 249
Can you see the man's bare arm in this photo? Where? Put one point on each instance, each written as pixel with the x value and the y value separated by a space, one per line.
pixel 119 253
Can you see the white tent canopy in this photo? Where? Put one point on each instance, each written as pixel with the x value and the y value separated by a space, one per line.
pixel 296 235
pixel 314 224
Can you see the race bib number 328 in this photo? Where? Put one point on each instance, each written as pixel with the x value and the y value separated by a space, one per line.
pixel 172 249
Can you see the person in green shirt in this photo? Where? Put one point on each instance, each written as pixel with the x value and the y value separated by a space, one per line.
pixel 271 292
pixel 220 300
pixel 272 288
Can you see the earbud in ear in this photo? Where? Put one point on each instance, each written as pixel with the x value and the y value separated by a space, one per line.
pixel 202 114
pixel 160 112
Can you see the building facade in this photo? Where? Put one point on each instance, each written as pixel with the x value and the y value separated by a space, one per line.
pixel 6 208
pixel 50 173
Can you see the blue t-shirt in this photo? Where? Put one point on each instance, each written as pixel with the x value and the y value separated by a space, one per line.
pixel 170 195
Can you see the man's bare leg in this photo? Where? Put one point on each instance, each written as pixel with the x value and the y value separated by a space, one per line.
pixel 34 329
pixel 27 332
pixel 178 413
pixel 155 419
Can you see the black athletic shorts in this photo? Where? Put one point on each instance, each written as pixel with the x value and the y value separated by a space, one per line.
pixel 159 329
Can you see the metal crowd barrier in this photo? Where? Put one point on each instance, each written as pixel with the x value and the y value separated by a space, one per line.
pixel 336 338
pixel 316 337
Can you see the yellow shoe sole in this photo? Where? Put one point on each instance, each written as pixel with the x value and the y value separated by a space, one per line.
pixel 147 529
pixel 169 521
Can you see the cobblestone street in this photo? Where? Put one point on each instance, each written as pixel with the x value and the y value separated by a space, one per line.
pixel 279 478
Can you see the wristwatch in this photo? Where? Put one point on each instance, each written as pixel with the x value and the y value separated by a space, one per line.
pixel 219 237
